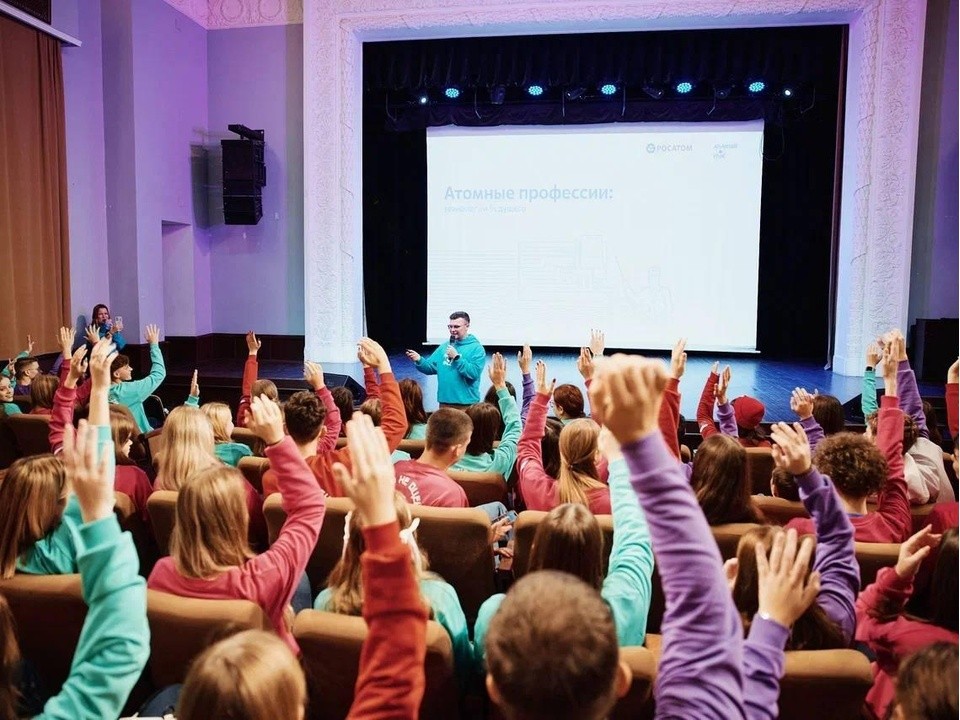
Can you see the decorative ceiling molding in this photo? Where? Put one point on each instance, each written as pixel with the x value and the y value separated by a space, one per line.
pixel 225 14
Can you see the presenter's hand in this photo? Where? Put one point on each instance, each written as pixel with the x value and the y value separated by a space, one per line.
pixel 415 356
pixel 451 352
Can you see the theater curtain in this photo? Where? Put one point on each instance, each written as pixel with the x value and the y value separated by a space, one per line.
pixel 34 248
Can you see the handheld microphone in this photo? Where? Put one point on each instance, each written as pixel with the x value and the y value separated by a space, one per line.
pixel 446 359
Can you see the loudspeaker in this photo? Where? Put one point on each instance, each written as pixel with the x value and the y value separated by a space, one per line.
pixel 242 210
pixel 332 380
pixel 244 173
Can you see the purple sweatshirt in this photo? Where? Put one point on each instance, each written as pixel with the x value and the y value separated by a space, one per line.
pixel 701 669
pixel 909 394
pixel 528 393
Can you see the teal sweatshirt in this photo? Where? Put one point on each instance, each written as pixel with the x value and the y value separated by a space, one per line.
pixel 627 588
pixel 459 381
pixel 115 641
pixel 503 457
pixel 868 393
pixel 55 554
pixel 417 431
pixel 445 604
pixel 133 393
pixel 11 409
pixel 7 373
pixel 230 453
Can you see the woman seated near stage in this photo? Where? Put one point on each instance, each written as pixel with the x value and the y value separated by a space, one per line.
pixel 740 419
pixel 577 480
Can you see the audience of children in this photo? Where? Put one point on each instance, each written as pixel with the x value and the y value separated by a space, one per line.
pixel 549 646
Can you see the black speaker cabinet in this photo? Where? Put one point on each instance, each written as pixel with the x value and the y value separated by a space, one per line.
pixel 934 347
pixel 242 210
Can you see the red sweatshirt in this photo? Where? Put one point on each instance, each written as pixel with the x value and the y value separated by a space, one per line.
pixel 891 522
pixel 391 678
pixel 539 490
pixel 270 578
pixel 953 411
pixel 423 484
pixel 891 636
pixel 393 422
pixel 251 369
pixel 83 389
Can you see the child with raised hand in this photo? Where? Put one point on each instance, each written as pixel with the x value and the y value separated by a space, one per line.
pixel 885 628
pixel 391 677
pixel 830 622
pixel 115 640
pixel 132 393
pixel 578 479
pixel 251 386
pixel 210 556
pixel 859 468
pixel 481 456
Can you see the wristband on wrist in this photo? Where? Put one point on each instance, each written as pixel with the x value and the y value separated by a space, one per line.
pixel 869 367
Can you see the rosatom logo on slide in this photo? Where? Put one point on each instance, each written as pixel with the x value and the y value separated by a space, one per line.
pixel 669 147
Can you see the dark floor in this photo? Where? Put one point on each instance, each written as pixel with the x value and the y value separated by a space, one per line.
pixel 769 380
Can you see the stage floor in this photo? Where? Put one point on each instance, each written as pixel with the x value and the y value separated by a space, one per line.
pixel 769 380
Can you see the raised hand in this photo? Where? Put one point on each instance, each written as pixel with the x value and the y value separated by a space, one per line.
pixel 11 364
pixel 889 364
pixel 678 359
pixel 801 402
pixel 66 337
pixel 899 344
pixel 784 589
pixel 153 334
pixel 723 384
pixel 953 373
pixel 715 368
pixel 29 345
pixel 313 374
pixel 101 358
pixel 194 385
pixel 253 345
pixel 524 358
pixel 498 371
pixel 597 342
pixel 628 392
pixel 608 445
pixel 117 325
pixel 91 477
pixel 415 356
pixel 791 450
pixel 374 350
pixel 585 363
pixel 92 334
pixel 540 380
pixel 874 353
pixel 78 366
pixel 266 420
pixel 371 485
pixel 914 551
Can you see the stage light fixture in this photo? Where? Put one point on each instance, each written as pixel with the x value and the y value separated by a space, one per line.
pixel 498 94
pixel 684 87
pixel 788 92
pixel 452 93
pixel 574 93
pixel 655 92
pixel 423 99
pixel 721 91
pixel 535 90
pixel 756 86
pixel 608 88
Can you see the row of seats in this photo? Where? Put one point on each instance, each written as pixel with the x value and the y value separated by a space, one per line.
pixel 829 684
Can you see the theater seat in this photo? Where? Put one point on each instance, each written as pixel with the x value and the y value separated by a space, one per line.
pixel 131 520
pixel 759 469
pixel 525 529
pixel 413 447
pixel 778 511
pixel 481 487
pixel 329 545
pixel 637 704
pixel 49 612
pixel 242 435
pixel 253 469
pixel 154 442
pixel 162 509
pixel 181 628
pixel 728 537
pixel 871 557
pixel 824 684
pixel 31 434
pixel 919 514
pixel 8 443
pixel 331 647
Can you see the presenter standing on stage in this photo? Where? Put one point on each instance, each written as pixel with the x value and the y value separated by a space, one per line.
pixel 458 365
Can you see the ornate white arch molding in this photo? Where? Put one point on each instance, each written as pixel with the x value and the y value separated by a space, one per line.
pixel 879 161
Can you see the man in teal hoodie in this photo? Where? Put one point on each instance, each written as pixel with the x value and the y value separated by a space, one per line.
pixel 458 365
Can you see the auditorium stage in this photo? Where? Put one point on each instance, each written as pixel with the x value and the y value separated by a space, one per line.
pixel 769 380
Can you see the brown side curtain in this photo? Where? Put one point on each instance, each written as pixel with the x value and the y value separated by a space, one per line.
pixel 34 247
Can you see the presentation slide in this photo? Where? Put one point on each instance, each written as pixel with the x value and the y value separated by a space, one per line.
pixel 646 231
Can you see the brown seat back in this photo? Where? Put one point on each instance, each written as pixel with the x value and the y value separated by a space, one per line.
pixel 31 433
pixel 481 487
pixel 331 647
pixel 162 509
pixel 457 544
pixel 253 469
pixel 759 469
pixel 329 545
pixel 728 537
pixel 778 511
pixel 245 436
pixel 8 443
pixel 637 704
pixel 131 520
pixel 948 466
pixel 525 529
pixel 49 612
pixel 824 684
pixel 182 628
pixel 154 442
pixel 871 557
pixel 414 447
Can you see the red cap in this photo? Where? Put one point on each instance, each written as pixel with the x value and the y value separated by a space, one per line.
pixel 748 411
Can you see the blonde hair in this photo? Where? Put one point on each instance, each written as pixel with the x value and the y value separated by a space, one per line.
pixel 32 494
pixel 218 414
pixel 249 676
pixel 345 580
pixel 578 465
pixel 187 448
pixel 210 533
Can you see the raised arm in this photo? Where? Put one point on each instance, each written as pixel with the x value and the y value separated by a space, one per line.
pixel 505 454
pixel 893 502
pixel 64 399
pixel 868 391
pixel 140 390
pixel 699 673
pixel 393 417
pixel 251 370
pixel 801 402
pixel 705 407
pixel 524 358
pixel 834 558
pixel 953 399
pixel 907 388
pixel 537 488
pixel 313 374
pixel 427 365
